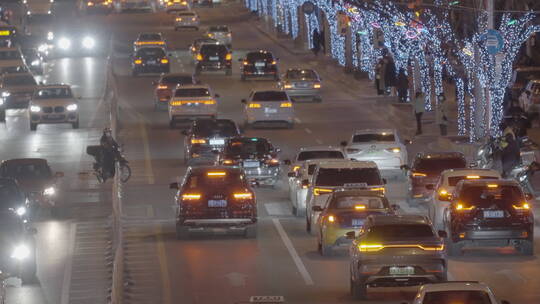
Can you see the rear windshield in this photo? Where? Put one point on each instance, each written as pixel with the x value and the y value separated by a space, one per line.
pixel 10 55
pixel 20 80
pixel 53 93
pixel 205 181
pixel 177 79
pixel 452 181
pixel 301 74
pixel 307 155
pixel 399 232
pixel 219 28
pixel 351 202
pixel 190 14
pixel 339 177
pixel 213 48
pixel 150 37
pixel 484 197
pixel 215 128
pixel 362 138
pixel 247 146
pixel 270 96
pixel 33 170
pixel 437 165
pixel 193 92
pixel 150 52
pixel 258 56
pixel 457 296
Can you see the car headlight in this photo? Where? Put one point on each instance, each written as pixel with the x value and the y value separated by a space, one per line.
pixel 64 43
pixel 35 109
pixel 42 48
pixel 49 191
pixel 20 211
pixel 50 36
pixel 5 94
pixel 88 42
pixel 72 107
pixel 20 252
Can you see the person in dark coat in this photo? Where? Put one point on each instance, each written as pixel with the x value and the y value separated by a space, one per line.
pixel 390 73
pixel 316 42
pixel 322 41
pixel 510 155
pixel 402 86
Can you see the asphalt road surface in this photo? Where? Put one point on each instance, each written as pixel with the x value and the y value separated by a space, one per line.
pixel 283 260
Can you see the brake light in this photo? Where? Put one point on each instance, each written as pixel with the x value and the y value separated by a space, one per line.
pixel 193 49
pixel 360 207
pixel 287 86
pixel 286 104
pixel 523 206
pixel 245 62
pixel 254 105
pixel 198 141
pixel 228 162
pixel 243 196
pixel 319 191
pixel 193 19
pixel 272 162
pixel 492 185
pixel 199 57
pixel 377 247
pixel 394 150
pixel 219 173
pixel 418 174
pixel 228 56
pixel 164 60
pixel 229 35
pixel 462 207
pixel 331 219
pixel 138 61
pixel 317 86
pixel 381 189
pixel 191 197
pixel 178 19
pixel 473 177
pixel 370 247
pixel 296 168
pixel 210 35
pixel 274 62
pixel 209 102
pixel 162 87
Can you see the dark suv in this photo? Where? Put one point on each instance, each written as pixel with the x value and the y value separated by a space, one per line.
pixel 205 137
pixel 259 64
pixel 490 213
pixel 255 155
pixel 215 197
pixel 214 57
pixel 426 169
pixel 150 60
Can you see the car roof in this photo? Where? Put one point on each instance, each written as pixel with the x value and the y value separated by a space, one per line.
pixel 7 75
pixel 25 160
pixel 501 182
pixel 5 49
pixel 176 75
pixel 347 164
pixel 149 33
pixel 455 285
pixel 403 219
pixel 321 160
pixel 320 148
pixel 192 86
pixel 440 155
pixel 374 131
pixel 469 171
pixel 54 86
pixel 259 51
pixel 203 169
pixel 357 192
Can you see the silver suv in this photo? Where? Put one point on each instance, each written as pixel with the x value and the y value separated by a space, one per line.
pixel 396 250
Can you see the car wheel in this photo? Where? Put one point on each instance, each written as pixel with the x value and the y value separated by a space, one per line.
pixel 290 125
pixel 172 125
pixel 228 72
pixel 526 247
pixel 358 290
pixel 28 273
pixel 412 202
pixel 294 211
pixel 308 226
pixel 182 232
pixel 243 77
pixel 455 248
pixel 75 125
pixel 250 232
pixel 134 73
pixel 326 250
pixel 3 116
pixel 318 99
pixel 33 126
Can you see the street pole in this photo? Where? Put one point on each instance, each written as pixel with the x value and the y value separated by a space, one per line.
pixel 490 11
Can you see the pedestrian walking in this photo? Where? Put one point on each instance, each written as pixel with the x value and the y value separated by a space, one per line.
pixel 402 86
pixel 524 100
pixel 389 74
pixel 511 155
pixel 419 105
pixel 379 80
pixel 441 117
pixel 316 42
pixel 322 41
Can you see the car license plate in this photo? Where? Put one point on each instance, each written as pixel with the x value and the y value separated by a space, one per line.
pixel 401 270
pixel 214 58
pixel 357 222
pixel 217 142
pixel 302 85
pixel 217 203
pixel 251 164
pixel 260 64
pixel 493 214
pixel 54 116
pixel 270 110
pixel 151 62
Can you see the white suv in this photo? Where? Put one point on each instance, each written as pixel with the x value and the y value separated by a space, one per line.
pixel 192 101
pixel 53 104
pixel 336 174
pixel 456 292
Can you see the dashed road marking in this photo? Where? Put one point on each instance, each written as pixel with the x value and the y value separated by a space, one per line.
pixel 308 131
pixel 276 209
pixel 318 141
pixel 297 120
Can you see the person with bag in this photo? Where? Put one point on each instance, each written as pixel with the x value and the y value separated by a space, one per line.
pixel 316 42
pixel 418 105
pixel 441 117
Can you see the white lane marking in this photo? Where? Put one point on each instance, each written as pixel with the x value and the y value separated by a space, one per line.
pixel 318 141
pixel 297 120
pixel 276 209
pixel 299 264
pixel 308 131
pixel 66 284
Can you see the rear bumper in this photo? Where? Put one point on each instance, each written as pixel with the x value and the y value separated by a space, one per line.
pixel 489 235
pixel 186 24
pixel 298 93
pixel 218 222
pixel 180 114
pixel 158 68
pixel 378 275
pixel 277 117
pixel 214 66
pixel 390 163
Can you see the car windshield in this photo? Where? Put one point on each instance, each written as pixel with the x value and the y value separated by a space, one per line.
pixel 187 14
pixel 399 232
pixel 270 96
pixel 437 165
pixel 10 55
pixel 213 48
pixel 485 196
pixel 334 177
pixel 21 80
pixel 28 170
pixel 301 74
pixel 376 137
pixel 212 179
pixel 53 93
pixel 150 52
pixel 454 180
pixel 192 92
pixel 215 128
pixel 260 56
pixel 247 146
pixel 457 296
pixel 150 37
pixel 311 169
pixel 219 28
pixel 177 79
pixel 9 193
pixel 307 155
pixel 357 202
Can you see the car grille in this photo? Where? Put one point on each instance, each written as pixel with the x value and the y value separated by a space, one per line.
pixel 59 109
pixel 47 109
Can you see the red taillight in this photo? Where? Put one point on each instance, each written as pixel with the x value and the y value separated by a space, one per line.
pixel 162 87
pixel 243 196
pixel 272 162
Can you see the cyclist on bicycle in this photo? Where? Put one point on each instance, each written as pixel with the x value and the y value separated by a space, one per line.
pixel 110 152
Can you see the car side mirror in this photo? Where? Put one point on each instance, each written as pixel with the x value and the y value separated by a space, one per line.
pixel 287 162
pixel 394 207
pixel 442 234
pixel 430 187
pixel 317 208
pixel 407 142
pixel 173 186
pixel 529 196
pixel 240 59
pixel 255 183
pixel 291 174
pixel 343 143
pixel 350 235
pixel 184 132
pixel 305 183
pixel 243 101
pixel 405 167
pixel 384 181
pixel 169 54
pixel 216 95
pixel 473 165
pixel 59 174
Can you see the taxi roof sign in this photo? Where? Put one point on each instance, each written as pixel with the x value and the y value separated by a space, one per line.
pixel 266 299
